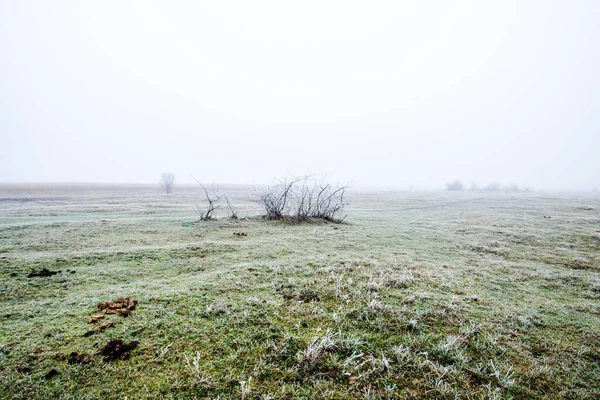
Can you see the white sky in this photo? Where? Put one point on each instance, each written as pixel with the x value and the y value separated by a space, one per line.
pixel 385 93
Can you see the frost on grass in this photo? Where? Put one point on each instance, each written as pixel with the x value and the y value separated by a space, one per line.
pixel 479 301
pixel 317 348
pixel 194 368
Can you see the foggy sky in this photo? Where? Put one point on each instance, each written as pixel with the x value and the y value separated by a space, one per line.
pixel 375 93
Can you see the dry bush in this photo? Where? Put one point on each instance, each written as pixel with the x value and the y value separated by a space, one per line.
pixel 232 213
pixel 304 198
pixel 212 199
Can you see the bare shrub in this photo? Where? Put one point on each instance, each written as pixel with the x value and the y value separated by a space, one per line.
pixel 304 198
pixel 167 180
pixel 276 200
pixel 232 213
pixel 212 199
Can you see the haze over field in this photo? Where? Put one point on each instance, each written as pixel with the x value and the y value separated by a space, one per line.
pixel 382 93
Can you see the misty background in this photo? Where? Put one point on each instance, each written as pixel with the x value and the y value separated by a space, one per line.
pixel 374 93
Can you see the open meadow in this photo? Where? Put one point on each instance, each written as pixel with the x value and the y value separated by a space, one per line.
pixel 415 295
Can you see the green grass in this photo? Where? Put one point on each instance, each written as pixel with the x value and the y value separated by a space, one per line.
pixel 429 295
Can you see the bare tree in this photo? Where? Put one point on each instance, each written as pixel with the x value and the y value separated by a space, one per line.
pixel 167 180
pixel 212 199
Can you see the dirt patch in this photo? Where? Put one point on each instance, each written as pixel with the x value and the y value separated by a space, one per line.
pixel 580 263
pixel 117 350
pixel 76 358
pixel 121 307
pixel 240 234
pixel 306 296
pixel 51 374
pixel 94 318
pixel 289 292
pixel 24 369
pixel 102 327
pixel 105 325
pixel 44 272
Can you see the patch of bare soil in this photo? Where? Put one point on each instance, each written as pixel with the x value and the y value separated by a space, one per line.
pixel 102 327
pixel 44 272
pixel 51 374
pixel 24 369
pixel 306 296
pixel 289 292
pixel 121 307
pixel 76 358
pixel 94 318
pixel 117 350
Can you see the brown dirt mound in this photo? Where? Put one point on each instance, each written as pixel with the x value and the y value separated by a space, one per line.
pixel 121 306
pixel 117 350
pixel 94 318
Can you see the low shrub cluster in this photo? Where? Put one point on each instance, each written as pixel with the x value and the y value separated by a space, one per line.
pixel 304 198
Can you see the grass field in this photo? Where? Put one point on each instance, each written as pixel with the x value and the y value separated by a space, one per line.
pixel 415 295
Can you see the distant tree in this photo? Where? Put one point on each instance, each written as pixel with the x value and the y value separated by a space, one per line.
pixel 455 186
pixel 167 180
pixel 493 187
pixel 513 187
pixel 474 187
